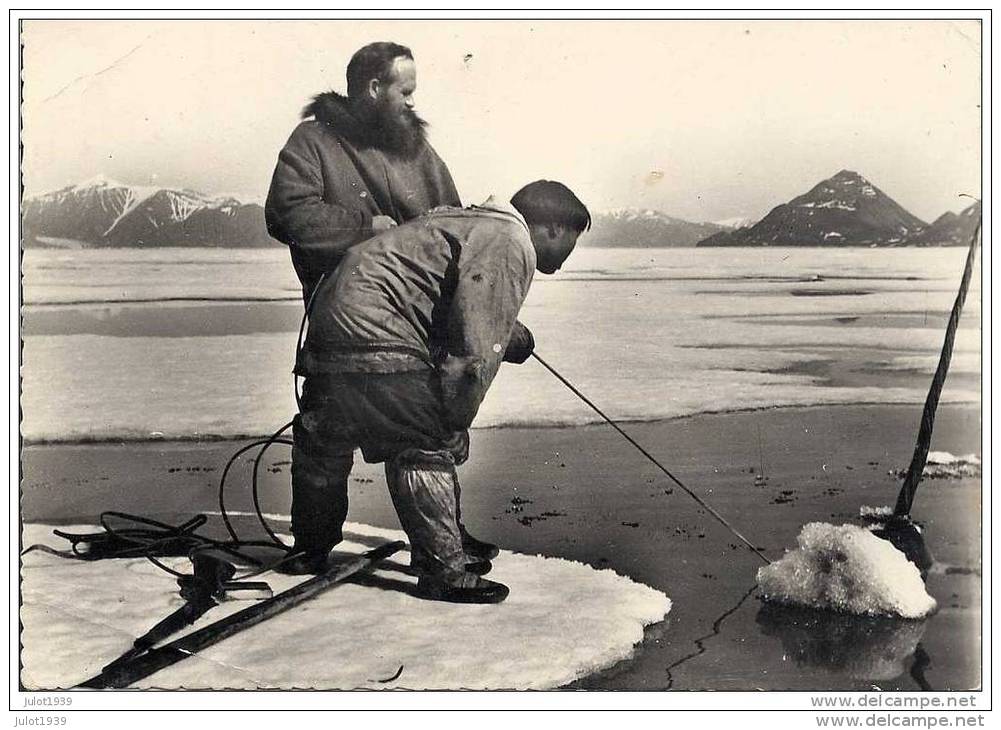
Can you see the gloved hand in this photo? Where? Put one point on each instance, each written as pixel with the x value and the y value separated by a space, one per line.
pixel 520 346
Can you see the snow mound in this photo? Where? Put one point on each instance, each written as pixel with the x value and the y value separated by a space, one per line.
pixel 846 569
pixel 875 513
pixel 946 459
pixel 943 465
pixel 562 621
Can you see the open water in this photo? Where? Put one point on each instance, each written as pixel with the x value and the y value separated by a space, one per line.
pixel 188 343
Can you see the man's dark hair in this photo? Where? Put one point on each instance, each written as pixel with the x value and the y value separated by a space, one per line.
pixel 546 202
pixel 374 61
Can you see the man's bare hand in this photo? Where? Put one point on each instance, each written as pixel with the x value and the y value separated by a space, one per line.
pixel 382 223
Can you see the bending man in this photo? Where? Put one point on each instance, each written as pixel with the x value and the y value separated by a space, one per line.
pixel 404 340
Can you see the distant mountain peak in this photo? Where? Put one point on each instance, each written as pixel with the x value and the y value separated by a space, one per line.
pixel 101 211
pixel 847 175
pixel 973 211
pixel 632 213
pixel 950 229
pixel 844 210
pixel 98 181
pixel 644 227
pixel 134 194
pixel 736 222
pixel 99 184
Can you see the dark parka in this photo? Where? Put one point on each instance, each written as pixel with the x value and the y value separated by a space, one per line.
pixel 331 180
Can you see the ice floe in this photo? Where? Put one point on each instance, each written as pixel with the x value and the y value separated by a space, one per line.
pixel 563 620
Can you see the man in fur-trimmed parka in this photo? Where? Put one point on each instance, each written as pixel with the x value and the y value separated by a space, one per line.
pixel 357 166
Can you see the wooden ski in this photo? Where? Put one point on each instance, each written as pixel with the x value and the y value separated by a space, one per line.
pixel 122 674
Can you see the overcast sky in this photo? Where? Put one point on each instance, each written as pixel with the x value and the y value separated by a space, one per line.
pixel 704 120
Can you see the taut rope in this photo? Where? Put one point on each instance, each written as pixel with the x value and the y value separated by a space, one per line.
pixel 646 453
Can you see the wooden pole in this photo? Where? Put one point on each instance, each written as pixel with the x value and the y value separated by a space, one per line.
pixel 910 486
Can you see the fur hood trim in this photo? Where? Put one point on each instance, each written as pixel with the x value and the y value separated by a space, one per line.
pixel 334 110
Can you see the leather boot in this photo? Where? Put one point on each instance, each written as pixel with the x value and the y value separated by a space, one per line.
pixel 460 588
pixel 477 549
pixel 476 567
pixel 299 562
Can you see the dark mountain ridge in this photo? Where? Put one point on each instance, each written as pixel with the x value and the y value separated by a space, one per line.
pixel 844 210
pixel 949 229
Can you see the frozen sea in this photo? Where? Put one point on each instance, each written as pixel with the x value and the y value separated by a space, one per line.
pixel 194 343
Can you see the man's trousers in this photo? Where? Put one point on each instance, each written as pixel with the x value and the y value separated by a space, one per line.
pixel 395 418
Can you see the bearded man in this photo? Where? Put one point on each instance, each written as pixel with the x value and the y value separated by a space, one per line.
pixel 358 165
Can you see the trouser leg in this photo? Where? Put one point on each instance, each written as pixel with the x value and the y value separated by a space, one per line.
pixel 460 451
pixel 457 491
pixel 423 488
pixel 320 473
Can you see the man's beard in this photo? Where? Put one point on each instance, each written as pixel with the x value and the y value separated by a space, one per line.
pixel 398 134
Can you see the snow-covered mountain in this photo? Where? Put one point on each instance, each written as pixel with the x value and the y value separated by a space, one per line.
pixel 635 227
pixel 844 210
pixel 738 222
pixel 103 212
